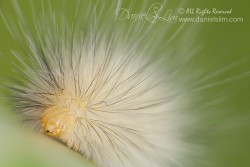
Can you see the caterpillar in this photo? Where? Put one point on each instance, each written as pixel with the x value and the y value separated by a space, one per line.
pixel 107 88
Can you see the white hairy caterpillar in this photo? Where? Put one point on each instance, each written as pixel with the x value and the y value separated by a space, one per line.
pixel 95 87
pixel 99 93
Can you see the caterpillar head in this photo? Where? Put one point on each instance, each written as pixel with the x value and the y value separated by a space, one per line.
pixel 57 122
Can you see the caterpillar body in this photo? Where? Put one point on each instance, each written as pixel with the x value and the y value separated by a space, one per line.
pixel 98 87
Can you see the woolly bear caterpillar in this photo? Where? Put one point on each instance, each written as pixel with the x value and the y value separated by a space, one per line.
pixel 100 89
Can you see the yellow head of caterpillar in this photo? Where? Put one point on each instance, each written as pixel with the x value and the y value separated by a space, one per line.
pixel 58 122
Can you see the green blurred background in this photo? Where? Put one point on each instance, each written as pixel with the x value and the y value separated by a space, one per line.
pixel 224 129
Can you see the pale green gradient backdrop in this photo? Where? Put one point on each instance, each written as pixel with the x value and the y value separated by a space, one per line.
pixel 224 133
